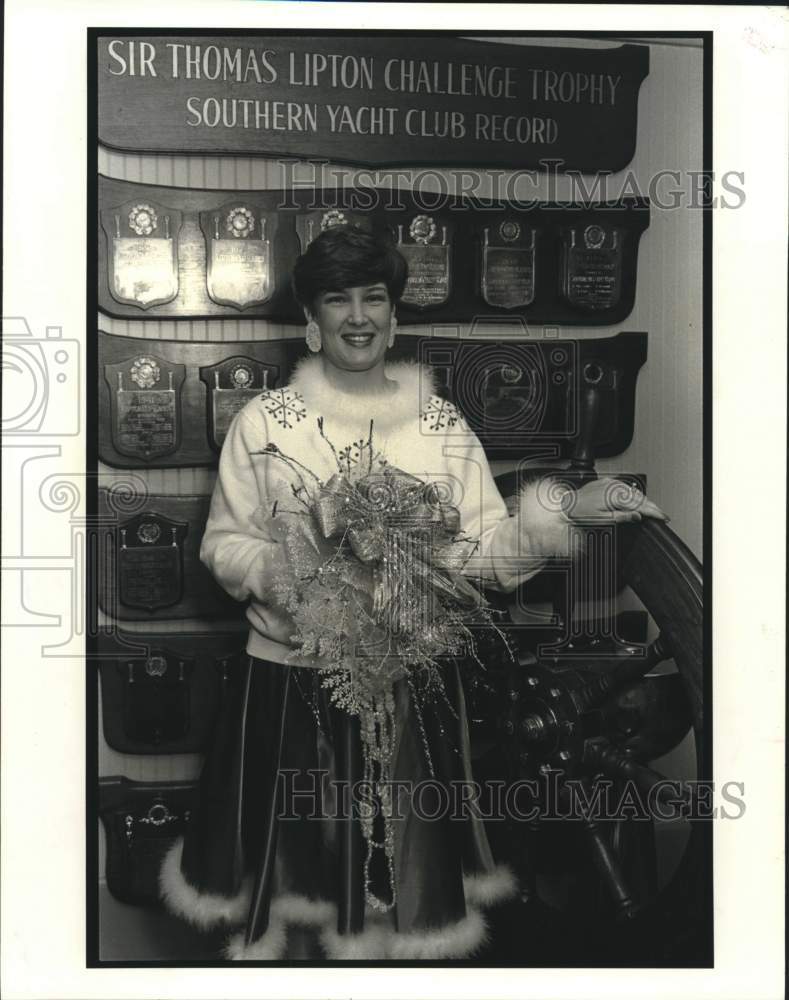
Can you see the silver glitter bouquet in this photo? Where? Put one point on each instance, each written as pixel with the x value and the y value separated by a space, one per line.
pixel 376 592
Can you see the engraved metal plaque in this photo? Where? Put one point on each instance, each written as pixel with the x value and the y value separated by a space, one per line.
pixel 312 224
pixel 142 238
pixel 201 597
pixel 156 698
pixel 145 406
pixel 231 384
pixel 508 269
pixel 150 561
pixel 592 266
pixel 239 261
pixel 428 263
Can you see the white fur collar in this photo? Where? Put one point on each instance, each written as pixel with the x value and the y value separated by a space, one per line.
pixel 416 385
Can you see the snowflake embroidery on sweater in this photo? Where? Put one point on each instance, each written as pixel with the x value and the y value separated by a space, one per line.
pixel 352 453
pixel 440 413
pixel 286 406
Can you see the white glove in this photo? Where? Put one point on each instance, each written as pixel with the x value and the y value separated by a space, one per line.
pixel 540 528
pixel 607 500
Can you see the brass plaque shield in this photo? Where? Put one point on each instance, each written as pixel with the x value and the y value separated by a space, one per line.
pixel 428 281
pixel 142 238
pixel 239 256
pixel 231 384
pixel 150 561
pixel 508 265
pixel 592 267
pixel 312 224
pixel 145 406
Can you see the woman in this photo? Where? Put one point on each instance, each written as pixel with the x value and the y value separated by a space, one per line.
pixel 280 743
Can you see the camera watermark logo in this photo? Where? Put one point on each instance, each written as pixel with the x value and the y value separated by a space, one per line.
pixel 41 381
pixel 46 532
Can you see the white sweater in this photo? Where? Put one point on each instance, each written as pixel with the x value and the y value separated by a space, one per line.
pixel 414 429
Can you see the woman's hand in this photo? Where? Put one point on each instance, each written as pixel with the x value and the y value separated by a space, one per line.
pixel 608 499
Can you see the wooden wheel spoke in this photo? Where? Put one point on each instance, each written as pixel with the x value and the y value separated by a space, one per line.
pixel 612 762
pixel 608 866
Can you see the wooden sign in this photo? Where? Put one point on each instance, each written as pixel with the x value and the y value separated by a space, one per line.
pixel 371 99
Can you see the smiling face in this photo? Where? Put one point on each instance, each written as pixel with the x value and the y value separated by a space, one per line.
pixel 355 326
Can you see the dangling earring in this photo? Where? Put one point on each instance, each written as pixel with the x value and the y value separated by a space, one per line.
pixel 392 331
pixel 313 336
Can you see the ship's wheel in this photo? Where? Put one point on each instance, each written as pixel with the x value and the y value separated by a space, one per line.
pixel 585 720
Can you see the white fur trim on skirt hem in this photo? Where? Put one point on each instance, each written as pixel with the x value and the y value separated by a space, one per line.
pixel 203 909
pixel 378 941
pixel 381 942
pixel 371 944
pixel 268 948
pixel 459 940
pixel 489 888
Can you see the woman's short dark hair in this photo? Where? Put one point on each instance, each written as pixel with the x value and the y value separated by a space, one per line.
pixel 347 257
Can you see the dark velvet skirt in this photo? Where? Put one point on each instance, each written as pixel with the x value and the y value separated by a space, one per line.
pixel 274 842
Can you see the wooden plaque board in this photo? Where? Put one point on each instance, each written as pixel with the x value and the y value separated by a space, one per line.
pixel 520 395
pixel 160 692
pixel 203 419
pixel 199 595
pixel 467 277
